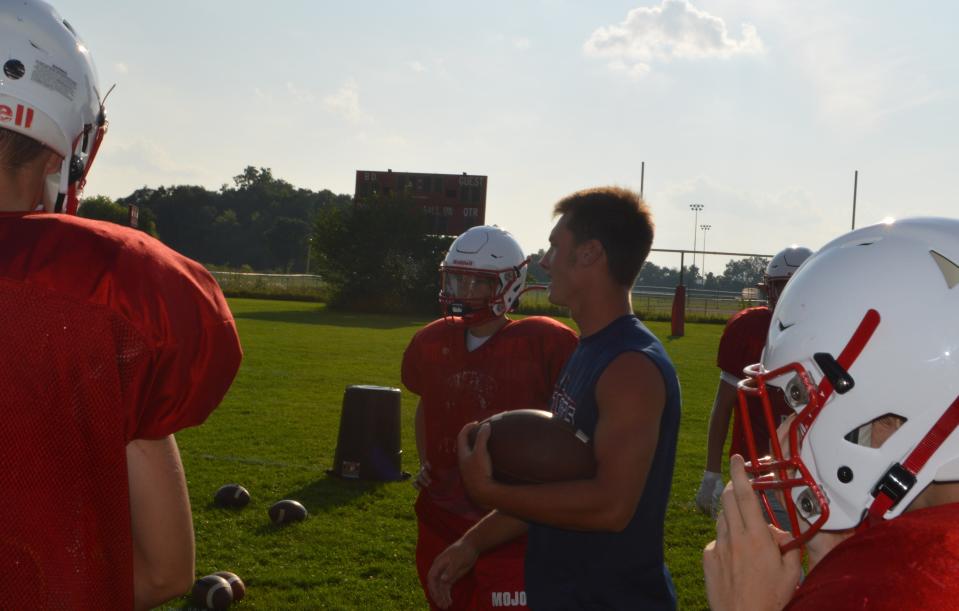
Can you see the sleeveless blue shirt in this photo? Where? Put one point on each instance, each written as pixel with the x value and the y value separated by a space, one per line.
pixel 568 569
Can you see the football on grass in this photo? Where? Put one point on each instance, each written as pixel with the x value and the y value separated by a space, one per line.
pixel 531 446
pixel 236 584
pixel 212 592
pixel 231 495
pixel 286 511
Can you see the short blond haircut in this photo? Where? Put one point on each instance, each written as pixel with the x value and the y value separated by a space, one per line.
pixel 619 219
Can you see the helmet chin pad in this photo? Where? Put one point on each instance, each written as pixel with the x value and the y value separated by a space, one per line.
pixel 474 312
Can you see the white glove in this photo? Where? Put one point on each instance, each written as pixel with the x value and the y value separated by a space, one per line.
pixel 423 477
pixel 707 499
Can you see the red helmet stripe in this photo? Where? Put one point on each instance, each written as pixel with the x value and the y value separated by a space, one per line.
pixel 914 463
pixel 853 349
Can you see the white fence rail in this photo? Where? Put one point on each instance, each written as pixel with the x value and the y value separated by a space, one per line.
pixel 278 285
pixel 646 299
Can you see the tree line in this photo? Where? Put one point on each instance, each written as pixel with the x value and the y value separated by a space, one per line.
pixel 259 223
pixel 374 254
pixel 739 274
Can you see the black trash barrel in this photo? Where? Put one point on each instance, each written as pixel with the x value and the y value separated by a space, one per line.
pixel 368 446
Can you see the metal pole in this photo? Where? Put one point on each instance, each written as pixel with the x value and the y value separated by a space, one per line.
pixel 309 248
pixel 642 177
pixel 695 208
pixel 705 228
pixel 855 188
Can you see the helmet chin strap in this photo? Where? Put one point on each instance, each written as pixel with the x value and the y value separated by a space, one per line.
pixel 62 192
pixel 901 477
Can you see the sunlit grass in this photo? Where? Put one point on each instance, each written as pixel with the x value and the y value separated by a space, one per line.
pixel 276 434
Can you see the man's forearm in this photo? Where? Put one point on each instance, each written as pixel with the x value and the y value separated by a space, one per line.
pixel 161 522
pixel 495 529
pixel 419 429
pixel 576 505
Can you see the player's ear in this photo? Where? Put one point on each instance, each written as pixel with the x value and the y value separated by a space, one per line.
pixel 52 164
pixel 590 251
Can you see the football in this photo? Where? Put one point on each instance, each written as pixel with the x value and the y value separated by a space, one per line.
pixel 531 446
pixel 212 592
pixel 286 511
pixel 236 584
pixel 231 495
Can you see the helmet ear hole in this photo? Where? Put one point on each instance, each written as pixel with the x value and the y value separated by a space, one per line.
pixel 875 433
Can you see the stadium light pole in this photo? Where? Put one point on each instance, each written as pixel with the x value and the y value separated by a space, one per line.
pixel 705 228
pixel 695 208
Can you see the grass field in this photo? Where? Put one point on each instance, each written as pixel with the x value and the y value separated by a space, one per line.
pixel 276 434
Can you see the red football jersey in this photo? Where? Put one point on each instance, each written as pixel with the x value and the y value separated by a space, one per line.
pixel 108 336
pixel 910 562
pixel 515 369
pixel 741 345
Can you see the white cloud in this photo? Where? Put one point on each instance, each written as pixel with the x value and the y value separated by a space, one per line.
pixel 522 43
pixel 289 93
pixel 146 157
pixel 265 96
pixel 673 30
pixel 345 102
pixel 299 95
pixel 735 212
pixel 416 66
pixel 121 68
pixel 853 81
pixel 858 90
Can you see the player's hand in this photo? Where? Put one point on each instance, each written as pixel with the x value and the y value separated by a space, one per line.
pixel 744 567
pixel 423 479
pixel 454 562
pixel 710 489
pixel 476 468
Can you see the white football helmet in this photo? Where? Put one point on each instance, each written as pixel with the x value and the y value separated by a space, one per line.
pixel 781 268
pixel 49 92
pixel 868 327
pixel 482 275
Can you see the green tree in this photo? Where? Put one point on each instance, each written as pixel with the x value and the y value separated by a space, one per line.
pixel 103 208
pixel 377 256
pixel 536 274
pixel 287 241
pixel 740 273
pixel 259 220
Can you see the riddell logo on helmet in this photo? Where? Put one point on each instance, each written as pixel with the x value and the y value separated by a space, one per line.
pixel 21 116
pixel 463 262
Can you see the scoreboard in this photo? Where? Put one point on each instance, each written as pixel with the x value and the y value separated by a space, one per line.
pixel 452 202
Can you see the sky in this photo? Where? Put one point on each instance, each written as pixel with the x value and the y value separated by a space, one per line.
pixel 760 111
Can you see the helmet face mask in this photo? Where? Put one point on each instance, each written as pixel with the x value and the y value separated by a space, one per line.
pixel 49 92
pixel 464 285
pixel 863 340
pixel 482 276
pixel 474 295
pixel 781 472
pixel 774 288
